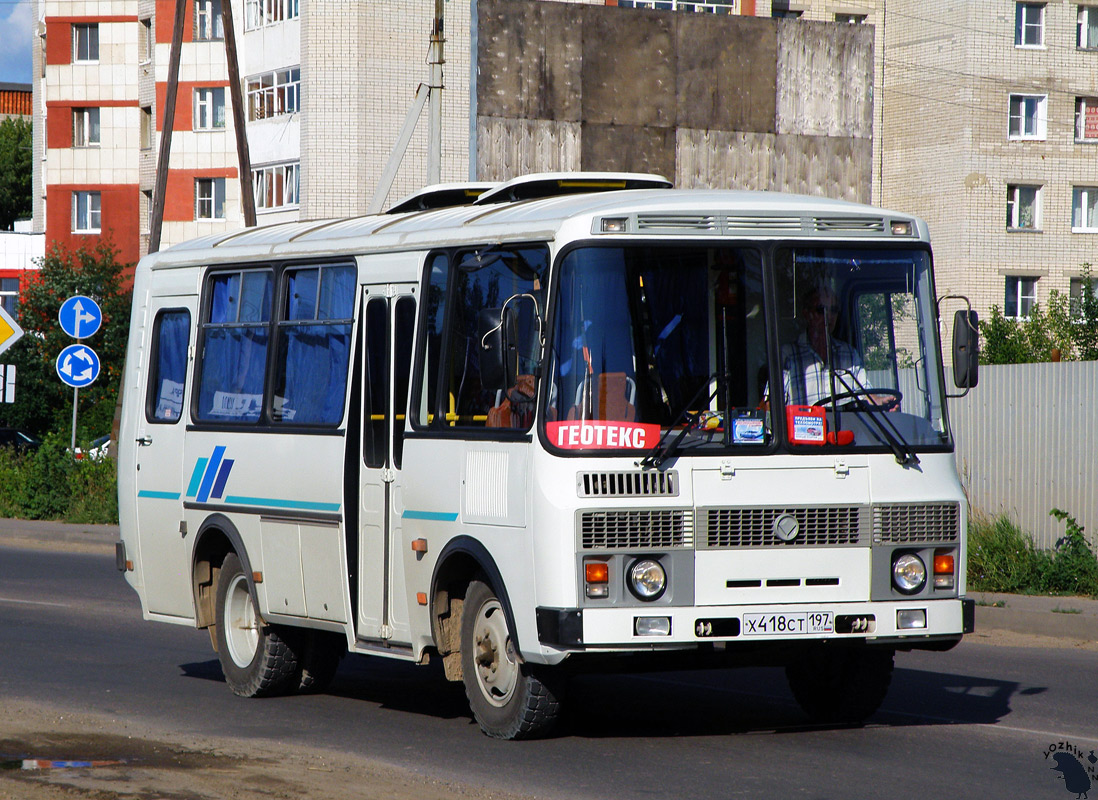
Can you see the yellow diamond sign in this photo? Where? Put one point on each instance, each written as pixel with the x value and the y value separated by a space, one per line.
pixel 10 332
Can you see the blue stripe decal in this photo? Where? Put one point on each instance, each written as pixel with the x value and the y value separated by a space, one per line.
pixel 303 505
pixel 222 476
pixel 158 495
pixel 211 473
pixel 196 476
pixel 435 516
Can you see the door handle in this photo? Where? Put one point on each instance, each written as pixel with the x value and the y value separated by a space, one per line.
pixel 144 441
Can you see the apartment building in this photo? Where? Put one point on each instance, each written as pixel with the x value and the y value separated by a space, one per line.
pixel 991 133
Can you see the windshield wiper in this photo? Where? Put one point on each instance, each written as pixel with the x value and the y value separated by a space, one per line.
pixel 663 450
pixel 882 426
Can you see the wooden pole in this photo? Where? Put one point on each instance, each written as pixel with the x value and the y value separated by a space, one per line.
pixel 247 198
pixel 157 223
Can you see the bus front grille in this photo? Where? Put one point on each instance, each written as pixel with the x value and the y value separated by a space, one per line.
pixel 829 526
pixel 916 523
pixel 636 529
pixel 649 483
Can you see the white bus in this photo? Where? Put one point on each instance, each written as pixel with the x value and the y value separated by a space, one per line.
pixel 584 422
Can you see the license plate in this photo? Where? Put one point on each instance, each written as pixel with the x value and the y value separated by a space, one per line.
pixel 788 624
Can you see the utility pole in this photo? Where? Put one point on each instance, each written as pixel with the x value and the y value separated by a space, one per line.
pixel 247 197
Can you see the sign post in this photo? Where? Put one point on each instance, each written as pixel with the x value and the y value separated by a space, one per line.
pixel 78 365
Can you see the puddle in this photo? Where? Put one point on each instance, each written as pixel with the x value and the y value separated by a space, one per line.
pixel 67 751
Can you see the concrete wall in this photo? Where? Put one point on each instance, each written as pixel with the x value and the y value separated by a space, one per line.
pixel 719 101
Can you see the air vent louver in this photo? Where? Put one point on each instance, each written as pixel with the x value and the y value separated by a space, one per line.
pixel 650 483
pixel 835 526
pixel 636 529
pixel 903 524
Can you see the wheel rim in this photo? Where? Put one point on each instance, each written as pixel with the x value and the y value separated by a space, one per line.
pixel 241 630
pixel 494 655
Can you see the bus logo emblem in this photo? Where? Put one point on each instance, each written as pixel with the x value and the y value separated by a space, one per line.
pixel 209 476
pixel 786 527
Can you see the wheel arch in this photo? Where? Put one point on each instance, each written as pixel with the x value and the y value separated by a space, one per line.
pixel 463 560
pixel 216 538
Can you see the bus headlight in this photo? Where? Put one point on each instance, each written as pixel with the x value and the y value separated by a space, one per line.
pixel 647 579
pixel 908 573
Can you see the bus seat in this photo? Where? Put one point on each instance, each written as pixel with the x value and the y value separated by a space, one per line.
pixel 616 397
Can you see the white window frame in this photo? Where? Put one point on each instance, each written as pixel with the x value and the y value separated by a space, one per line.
pixel 1084 199
pixel 1021 197
pixel 208 25
pixel 1025 27
pixel 1082 105
pixel 277 186
pixel 9 296
pixel 148 128
pixel 705 7
pixel 90 43
pixel 261 13
pixel 1086 36
pixel 1075 294
pixel 274 93
pixel 1027 117
pixel 209 108
pixel 86 130
pixel 87 212
pixel 1023 300
pixel 209 198
pixel 851 19
pixel 145 40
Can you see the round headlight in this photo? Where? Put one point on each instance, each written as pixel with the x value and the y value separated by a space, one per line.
pixel 647 579
pixel 908 573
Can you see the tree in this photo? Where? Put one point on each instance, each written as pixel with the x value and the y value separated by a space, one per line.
pixel 42 402
pixel 15 171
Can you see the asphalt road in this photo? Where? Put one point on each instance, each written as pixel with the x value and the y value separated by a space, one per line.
pixel 974 722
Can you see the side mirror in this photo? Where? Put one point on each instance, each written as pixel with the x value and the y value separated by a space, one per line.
pixel 498 329
pixel 966 349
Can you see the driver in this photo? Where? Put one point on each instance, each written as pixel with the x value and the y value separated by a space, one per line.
pixel 804 362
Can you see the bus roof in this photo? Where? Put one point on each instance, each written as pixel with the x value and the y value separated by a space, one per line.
pixel 649 212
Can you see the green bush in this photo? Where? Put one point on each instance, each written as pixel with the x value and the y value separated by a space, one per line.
pixel 1003 558
pixel 50 483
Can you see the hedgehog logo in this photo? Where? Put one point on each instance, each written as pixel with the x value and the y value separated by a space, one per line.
pixel 1073 774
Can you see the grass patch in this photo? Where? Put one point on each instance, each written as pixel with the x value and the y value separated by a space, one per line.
pixel 1059 610
pixel 1003 558
pixel 50 484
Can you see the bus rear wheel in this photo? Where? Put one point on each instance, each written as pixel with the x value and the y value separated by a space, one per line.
pixel 257 659
pixel 509 698
pixel 841 684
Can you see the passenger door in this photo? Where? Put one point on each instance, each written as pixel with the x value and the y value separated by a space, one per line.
pixel 388 325
pixel 164 549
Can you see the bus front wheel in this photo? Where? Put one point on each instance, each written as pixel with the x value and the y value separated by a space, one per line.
pixel 841 684
pixel 256 658
pixel 509 699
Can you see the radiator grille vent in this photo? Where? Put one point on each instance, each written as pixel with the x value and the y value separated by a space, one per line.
pixel 685 222
pixel 931 522
pixel 636 529
pixel 735 224
pixel 754 527
pixel 650 483
pixel 849 224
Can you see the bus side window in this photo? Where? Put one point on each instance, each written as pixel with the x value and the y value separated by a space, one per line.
pixel 434 315
pixel 168 370
pixel 375 397
pixel 403 327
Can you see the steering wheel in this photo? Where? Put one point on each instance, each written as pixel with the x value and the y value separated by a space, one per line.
pixel 894 399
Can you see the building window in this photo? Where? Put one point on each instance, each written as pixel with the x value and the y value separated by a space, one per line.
pixel 851 19
pixel 274 93
pixel 277 186
pixel 85 212
pixel 1086 29
pixel 208 25
pixel 258 13
pixel 1021 296
pixel 1023 207
pixel 145 41
pixel 778 12
pixel 209 108
pixel 1027 116
pixel 9 296
pixel 1086 119
pixel 209 198
pixel 1084 209
pixel 85 42
pixel 147 129
pixel 1075 293
pixel 711 7
pixel 146 210
pixel 85 127
pixel 1029 25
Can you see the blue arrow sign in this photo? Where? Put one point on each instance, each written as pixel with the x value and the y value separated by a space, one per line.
pixel 77 365
pixel 80 317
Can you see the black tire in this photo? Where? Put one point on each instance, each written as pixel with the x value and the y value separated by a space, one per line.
pixel 258 660
pixel 508 698
pixel 320 657
pixel 841 684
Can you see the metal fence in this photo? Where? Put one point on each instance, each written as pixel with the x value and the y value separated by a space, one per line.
pixel 1027 442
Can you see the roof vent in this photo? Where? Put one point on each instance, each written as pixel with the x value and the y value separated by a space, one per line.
pixel 553 184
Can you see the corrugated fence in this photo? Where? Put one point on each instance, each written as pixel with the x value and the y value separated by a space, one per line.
pixel 1027 443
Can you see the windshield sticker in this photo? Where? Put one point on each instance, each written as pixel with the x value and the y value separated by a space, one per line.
pixel 746 430
pixel 600 435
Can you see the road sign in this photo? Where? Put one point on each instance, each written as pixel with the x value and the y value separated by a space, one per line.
pixel 78 365
pixel 80 317
pixel 9 330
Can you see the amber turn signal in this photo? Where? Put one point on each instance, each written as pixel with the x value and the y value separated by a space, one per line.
pixel 943 564
pixel 597 571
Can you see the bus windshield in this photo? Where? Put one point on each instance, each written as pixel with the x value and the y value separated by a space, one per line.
pixel 653 339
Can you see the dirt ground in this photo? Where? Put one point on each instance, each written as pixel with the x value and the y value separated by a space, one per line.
pixel 151 765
